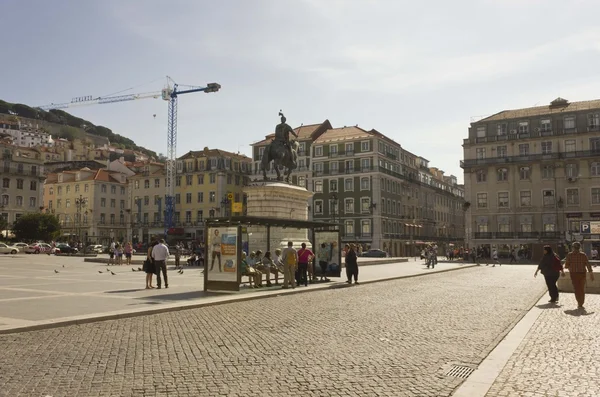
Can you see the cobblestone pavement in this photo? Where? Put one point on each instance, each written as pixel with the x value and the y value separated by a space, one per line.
pixel 394 338
pixel 559 355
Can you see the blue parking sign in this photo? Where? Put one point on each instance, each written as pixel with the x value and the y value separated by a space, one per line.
pixel 585 227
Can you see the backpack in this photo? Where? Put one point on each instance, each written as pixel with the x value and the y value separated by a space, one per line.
pixel 290 258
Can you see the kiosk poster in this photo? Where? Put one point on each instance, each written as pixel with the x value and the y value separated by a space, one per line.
pixel 327 249
pixel 222 259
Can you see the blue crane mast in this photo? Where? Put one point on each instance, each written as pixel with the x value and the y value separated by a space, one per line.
pixel 170 94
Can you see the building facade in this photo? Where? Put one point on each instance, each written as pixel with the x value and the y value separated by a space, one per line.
pixel 532 176
pixel 91 205
pixel 22 174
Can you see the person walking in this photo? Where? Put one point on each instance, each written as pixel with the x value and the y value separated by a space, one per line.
pixel 551 268
pixel 495 258
pixel 351 264
pixel 128 252
pixel 577 263
pixel 149 268
pixel 290 262
pixel 160 253
pixel 305 255
pixel 323 255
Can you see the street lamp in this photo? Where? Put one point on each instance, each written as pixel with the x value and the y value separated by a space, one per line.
pixel 80 204
pixel 334 198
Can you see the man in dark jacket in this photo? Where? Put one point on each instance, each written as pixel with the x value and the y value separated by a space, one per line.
pixel 351 264
pixel 551 267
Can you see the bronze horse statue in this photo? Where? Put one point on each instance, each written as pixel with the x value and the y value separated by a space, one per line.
pixel 281 151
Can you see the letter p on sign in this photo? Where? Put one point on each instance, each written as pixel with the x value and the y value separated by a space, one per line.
pixel 585 227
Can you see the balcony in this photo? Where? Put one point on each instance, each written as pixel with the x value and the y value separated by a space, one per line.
pixel 391 156
pixel 518 235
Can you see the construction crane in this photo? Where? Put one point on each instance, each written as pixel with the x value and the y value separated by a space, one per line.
pixel 170 94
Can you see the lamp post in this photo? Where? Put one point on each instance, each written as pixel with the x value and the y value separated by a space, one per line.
pixel 334 198
pixel 80 204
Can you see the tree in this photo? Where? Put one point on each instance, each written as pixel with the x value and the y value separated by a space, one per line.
pixel 37 226
pixel 3 225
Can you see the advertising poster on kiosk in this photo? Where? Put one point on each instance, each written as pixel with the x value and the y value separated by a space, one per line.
pixel 221 261
pixel 327 246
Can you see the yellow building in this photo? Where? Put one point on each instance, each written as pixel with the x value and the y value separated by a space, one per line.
pixel 146 200
pixel 90 204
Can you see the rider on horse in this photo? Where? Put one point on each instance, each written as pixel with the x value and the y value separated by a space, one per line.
pixel 282 136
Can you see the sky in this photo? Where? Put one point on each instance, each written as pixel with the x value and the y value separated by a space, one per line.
pixel 416 71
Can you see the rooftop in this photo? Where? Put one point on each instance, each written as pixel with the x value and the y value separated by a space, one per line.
pixel 304 132
pixel 206 152
pixel 557 106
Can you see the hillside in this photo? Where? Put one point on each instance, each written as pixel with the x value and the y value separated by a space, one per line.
pixel 64 125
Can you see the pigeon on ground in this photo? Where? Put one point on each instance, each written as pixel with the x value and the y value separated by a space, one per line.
pixel 63 265
pixel 132 269
pixel 180 272
pixel 55 271
pixel 139 269
pixel 112 273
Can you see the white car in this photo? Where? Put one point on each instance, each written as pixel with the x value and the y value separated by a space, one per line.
pixel 8 249
pixel 20 246
pixel 38 248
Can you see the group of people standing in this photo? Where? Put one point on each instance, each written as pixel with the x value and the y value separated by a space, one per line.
pixel 116 252
pixel 155 263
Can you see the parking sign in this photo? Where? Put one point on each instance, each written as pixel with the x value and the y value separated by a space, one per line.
pixel 585 227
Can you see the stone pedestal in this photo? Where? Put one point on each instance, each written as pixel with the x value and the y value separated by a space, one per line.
pixel 281 201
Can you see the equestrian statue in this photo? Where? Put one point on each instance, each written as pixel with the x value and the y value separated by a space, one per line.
pixel 281 151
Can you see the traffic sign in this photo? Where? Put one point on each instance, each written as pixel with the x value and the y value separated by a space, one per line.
pixel 585 227
pixel 230 196
pixel 590 227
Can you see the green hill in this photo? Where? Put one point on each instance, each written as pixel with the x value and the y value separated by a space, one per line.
pixel 64 125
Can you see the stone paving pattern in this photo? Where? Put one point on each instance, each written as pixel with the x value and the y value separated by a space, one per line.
pixel 559 356
pixel 393 338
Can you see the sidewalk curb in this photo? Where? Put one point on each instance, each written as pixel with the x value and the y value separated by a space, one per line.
pixel 481 380
pixel 57 323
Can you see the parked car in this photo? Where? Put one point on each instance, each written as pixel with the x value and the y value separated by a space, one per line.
pixel 65 249
pixel 8 249
pixel 94 249
pixel 38 248
pixel 375 253
pixel 20 246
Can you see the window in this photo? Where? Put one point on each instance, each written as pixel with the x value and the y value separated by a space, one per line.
pixel 136 185
pixel 365 146
pixel 103 189
pixel 212 197
pixel 122 204
pixel 77 188
pixel 103 218
pixel 146 200
pixel 547 171
pixel 59 203
pixel 595 145
pixel 349 166
pixel 229 179
pixel 157 199
pixel 549 227
pixel 112 219
pixel 480 152
pixel 349 228
pixel 525 198
pixel 364 184
pixel 365 227
pixel 480 132
pixel 546 147
pixel 502 174
pixel 595 169
pixel 86 188
pixel 334 167
pixel 113 189
pixel 200 197
pixel 19 183
pixel 50 204
pixel 318 151
pixel 593 121
pixel 524 127
pixel 19 202
pixel 572 196
pixel 177 198
pixel 33 185
pixel 524 149
pixel 302 181
pixel 333 207
pixel 349 206
pixel 571 171
pixel 526 227
pixel 503 200
pixel 570 145
pixel 545 125
pixel 349 148
pixel 569 123
pixel 596 195
pixel 348 185
pixel 212 178
pixel 318 206
pixel 524 173
pixel 481 176
pixel 188 216
pixel 178 181
pixel 482 228
pixel 504 228
pixel 481 200
pixel 113 203
pixel 365 164
pixel 188 198
pixel 68 189
pixel 200 179
pixel 102 202
pixel 318 167
pixel 548 196
pixel 501 151
pixel 199 216
pixel 333 149
pixel 6 183
pixel 502 129
pixel 365 204
pixel 333 185
pixel 318 186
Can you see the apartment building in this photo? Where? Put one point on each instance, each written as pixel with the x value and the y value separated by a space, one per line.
pixel 306 136
pixel 203 182
pixel 91 205
pixel 22 176
pixel 532 175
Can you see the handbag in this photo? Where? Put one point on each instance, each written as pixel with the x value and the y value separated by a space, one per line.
pixel 557 264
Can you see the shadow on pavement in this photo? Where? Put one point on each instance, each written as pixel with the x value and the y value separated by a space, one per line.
pixel 120 291
pixel 184 295
pixel 549 306
pixel 578 312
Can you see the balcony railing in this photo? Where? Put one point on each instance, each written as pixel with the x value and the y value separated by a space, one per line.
pixel 529 158
pixel 518 235
pixel 526 135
